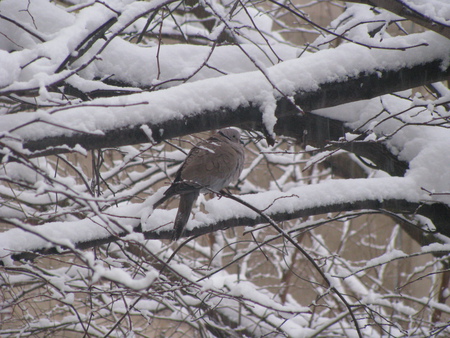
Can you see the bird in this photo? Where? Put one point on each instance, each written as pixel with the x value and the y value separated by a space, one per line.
pixel 211 165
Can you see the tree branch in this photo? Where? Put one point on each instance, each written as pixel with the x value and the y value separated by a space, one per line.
pixel 290 122
pixel 438 213
pixel 402 9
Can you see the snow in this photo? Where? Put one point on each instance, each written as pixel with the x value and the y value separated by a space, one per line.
pixel 210 79
pixel 310 196
pixel 420 147
pixel 169 62
pixel 260 302
pixel 436 10
pixel 49 21
pixel 388 257
pixel 122 277
pixel 65 233
pixel 65 33
pixel 128 215
pixel 10 70
pixel 228 91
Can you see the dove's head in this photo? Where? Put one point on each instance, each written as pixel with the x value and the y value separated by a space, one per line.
pixel 231 134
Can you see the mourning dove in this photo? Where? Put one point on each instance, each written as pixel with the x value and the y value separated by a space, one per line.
pixel 210 166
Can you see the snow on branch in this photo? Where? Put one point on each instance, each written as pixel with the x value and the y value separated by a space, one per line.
pixel 399 195
pixel 238 99
pixel 426 14
pixel 348 137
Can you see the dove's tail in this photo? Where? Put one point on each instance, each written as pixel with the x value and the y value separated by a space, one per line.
pixel 184 211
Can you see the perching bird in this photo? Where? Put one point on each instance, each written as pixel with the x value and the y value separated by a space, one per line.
pixel 211 165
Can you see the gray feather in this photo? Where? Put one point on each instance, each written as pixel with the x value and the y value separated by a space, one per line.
pixel 184 211
pixel 211 165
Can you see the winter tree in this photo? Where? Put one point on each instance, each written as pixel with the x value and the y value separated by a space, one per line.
pixel 339 224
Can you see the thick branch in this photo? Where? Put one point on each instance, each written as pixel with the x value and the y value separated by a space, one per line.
pixel 394 206
pixel 290 122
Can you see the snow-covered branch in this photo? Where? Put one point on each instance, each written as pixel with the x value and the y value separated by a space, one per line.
pixel 338 225
pixel 393 195
pixel 415 11
pixel 231 100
